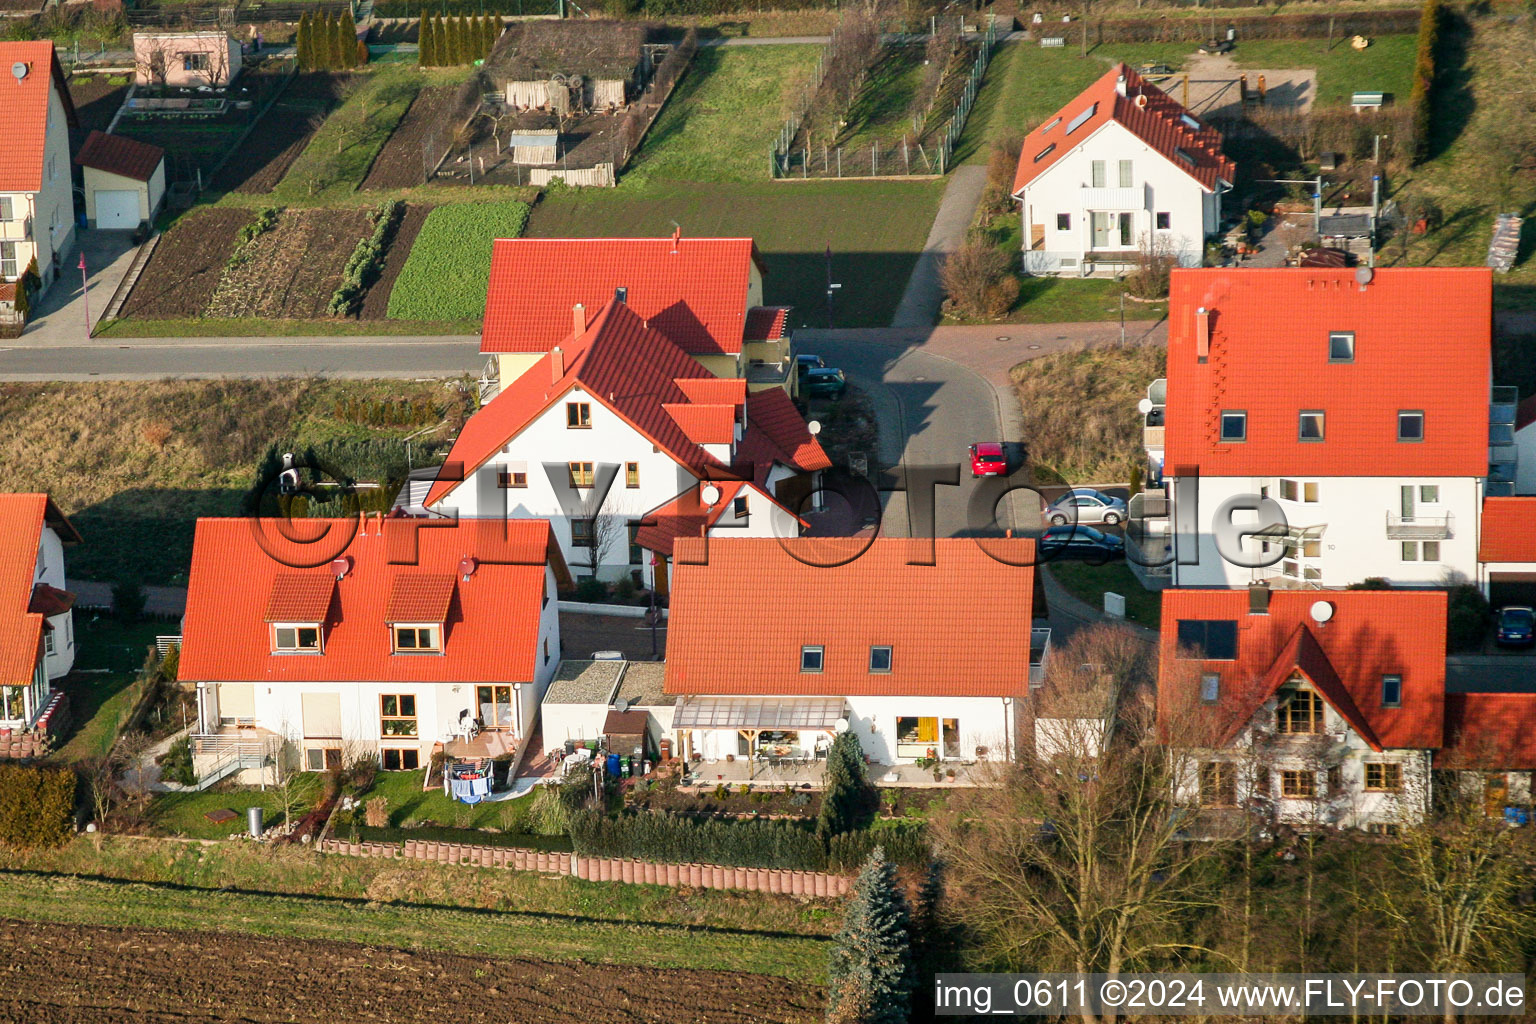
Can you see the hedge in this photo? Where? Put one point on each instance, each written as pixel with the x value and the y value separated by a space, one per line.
pixel 37 805
pixel 905 844
pixel 446 274
pixel 1273 26
pixel 1419 100
pixel 367 259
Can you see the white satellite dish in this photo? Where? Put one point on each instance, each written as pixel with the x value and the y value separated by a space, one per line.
pixel 1322 611
pixel 19 70
pixel 1144 406
pixel 841 725
pixel 710 494
pixel 814 427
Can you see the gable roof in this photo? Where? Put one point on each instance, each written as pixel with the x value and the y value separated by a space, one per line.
pixel 1508 533
pixel 766 323
pixel 21 630
pixel 118 154
pixel 1146 112
pixel 776 432
pixel 1371 633
pixel 1422 342
pixel 688 516
pixel 492 627
pixel 24 112
pixel 1489 730
pixel 300 597
pixel 693 290
pixel 959 627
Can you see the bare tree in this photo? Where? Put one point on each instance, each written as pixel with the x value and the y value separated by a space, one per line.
pixel 608 523
pixel 978 277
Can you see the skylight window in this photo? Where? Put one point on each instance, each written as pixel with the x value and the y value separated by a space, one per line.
pixel 1053 124
pixel 1185 155
pixel 1078 121
pixel 1189 122
pixel 1047 151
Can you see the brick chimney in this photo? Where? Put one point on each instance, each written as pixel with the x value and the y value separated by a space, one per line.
pixel 1203 333
pixel 579 318
pixel 556 363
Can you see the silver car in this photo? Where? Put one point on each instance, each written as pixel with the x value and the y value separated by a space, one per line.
pixel 1085 505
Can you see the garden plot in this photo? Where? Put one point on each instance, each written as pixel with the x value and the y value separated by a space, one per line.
pixel 292 270
pixel 450 263
pixel 420 139
pixel 271 149
pixel 195 142
pixel 96 99
pixel 181 276
pixel 376 302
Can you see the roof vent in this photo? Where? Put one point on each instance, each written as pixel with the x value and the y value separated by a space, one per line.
pixel 1322 611
pixel 341 566
pixel 19 70
pixel 467 566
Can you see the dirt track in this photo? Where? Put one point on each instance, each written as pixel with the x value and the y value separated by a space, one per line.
pixel 62 974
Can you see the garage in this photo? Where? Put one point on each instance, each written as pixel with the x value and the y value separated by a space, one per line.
pixel 117 208
pixel 1506 588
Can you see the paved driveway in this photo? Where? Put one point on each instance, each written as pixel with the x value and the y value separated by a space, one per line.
pixel 60 318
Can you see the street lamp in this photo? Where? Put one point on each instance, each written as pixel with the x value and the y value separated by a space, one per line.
pixel 85 295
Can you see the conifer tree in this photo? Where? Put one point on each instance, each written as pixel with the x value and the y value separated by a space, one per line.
pixel 456 48
pixel 345 44
pixel 424 41
pixel 301 42
pixel 847 797
pixel 869 972
pixel 332 49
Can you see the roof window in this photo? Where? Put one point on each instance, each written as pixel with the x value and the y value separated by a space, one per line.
pixel 1047 151
pixel 1189 122
pixel 1081 119
pixel 1051 124
pixel 1209 639
pixel 1185 155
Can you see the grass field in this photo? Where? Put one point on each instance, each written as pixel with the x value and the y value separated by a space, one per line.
pixel 409 804
pixel 1049 300
pixel 1089 583
pixel 186 814
pixel 445 276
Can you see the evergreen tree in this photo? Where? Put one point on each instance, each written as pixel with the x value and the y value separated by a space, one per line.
pixel 22 303
pixel 439 41
pixel 344 41
pixel 332 43
pixel 456 40
pixel 424 41
pixel 933 942
pixel 847 797
pixel 492 24
pixel 301 43
pixel 869 973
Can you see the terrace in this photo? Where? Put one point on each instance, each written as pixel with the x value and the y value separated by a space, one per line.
pixel 776 773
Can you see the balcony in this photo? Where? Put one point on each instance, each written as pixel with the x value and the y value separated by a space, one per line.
pixel 16 230
pixel 1419 527
pixel 1113 199
pixel 1039 654
pixel 761 374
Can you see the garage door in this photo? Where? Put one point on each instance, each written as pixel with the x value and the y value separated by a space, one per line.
pixel 1511 588
pixel 117 208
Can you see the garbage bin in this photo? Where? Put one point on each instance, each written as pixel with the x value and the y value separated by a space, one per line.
pixel 253 821
pixel 613 765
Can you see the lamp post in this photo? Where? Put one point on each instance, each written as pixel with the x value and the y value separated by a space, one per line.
pixel 85 295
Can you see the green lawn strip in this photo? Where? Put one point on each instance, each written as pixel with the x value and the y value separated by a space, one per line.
pixel 186 814
pixel 408 804
pixel 518 934
pixel 445 276
pixel 434 193
pixel 246 327
pixel 338 156
pixel 1384 66
pixel 100 700
pixel 721 120
pixel 1089 583
pixel 875 230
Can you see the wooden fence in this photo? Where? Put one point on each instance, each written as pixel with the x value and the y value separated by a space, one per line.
pixel 602 869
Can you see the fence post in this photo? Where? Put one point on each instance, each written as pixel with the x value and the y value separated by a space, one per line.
pixel 805 165
pixel 839 161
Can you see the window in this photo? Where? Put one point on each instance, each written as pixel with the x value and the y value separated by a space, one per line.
pixel 927 737
pixel 1410 425
pixel 581 474
pixel 1190 122
pixel 1421 551
pixel 1234 425
pixel 1341 347
pixel 1262 785
pixel 546 650
pixel 1430 494
pixel 1210 639
pixel 511 478
pixel 1063 222
pixel 879 659
pixel 581 532
pixel 1082 119
pixel 1298 490
pixel 1164 221
pixel 416 639
pixel 322 759
pixel 6 210
pixel 1210 687
pixel 1127 177
pixel 1300 714
pixel 406 759
pixel 301 637
pixel 1335 780
pixel 1047 151
pixel 636 552
pixel 494 703
pixel 8 261
pixel 13 702
pixel 631 474
pixel 52 173
pixel 1311 425
pixel 1054 122
pixel 1185 155
pixel 1386 829
pixel 194 62
pixel 578 415
pixel 739 507
pixel 1391 691
pixel 50 645
pixel 1298 785
pixel 397 714
pixel 1100 178
pixel 1383 777
pixel 811 659
pixel 1218 785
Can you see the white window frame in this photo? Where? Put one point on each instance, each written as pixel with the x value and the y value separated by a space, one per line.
pixel 278 648
pixel 435 633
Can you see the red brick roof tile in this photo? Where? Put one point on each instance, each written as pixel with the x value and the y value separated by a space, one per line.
pixel 118 154
pixel 704 424
pixel 766 323
pixel 420 597
pixel 1489 731
pixel 50 601
pixel 776 432
pixel 714 390
pixel 24 112
pixel 1509 530
pixel 21 630
pixel 300 597
pixel 687 516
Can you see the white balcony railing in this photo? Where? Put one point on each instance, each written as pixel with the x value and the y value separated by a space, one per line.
pixel 1114 199
pixel 1419 527
pixel 1039 654
pixel 18 230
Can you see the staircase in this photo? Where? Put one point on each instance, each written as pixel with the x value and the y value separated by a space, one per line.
pixel 362 12
pixel 218 757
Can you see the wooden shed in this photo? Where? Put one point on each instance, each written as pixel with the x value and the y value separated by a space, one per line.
pixel 565 65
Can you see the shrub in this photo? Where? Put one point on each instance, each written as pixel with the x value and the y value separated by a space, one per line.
pixel 591 590
pixel 37 805
pixel 1466 617
pixel 367 259
pixel 128 599
pixel 176 765
pixel 754 843
pixel 979 280
pixel 905 843
pixel 446 274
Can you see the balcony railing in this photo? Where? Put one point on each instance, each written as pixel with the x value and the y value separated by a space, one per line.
pixel 19 230
pixel 1113 199
pixel 1039 654
pixel 1419 527
pixel 768 373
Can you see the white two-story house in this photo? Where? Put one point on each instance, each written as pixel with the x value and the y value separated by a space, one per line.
pixel 37 630
pixel 617 428
pixel 1121 169
pixel 37 208
pixel 323 640
pixel 1338 419
pixel 1314 708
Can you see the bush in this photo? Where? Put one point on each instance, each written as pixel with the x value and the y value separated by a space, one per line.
pixel 128 600
pixel 446 274
pixel 591 590
pixel 367 259
pixel 1466 617
pixel 754 843
pixel 37 805
pixel 176 765
pixel 979 280
pixel 549 815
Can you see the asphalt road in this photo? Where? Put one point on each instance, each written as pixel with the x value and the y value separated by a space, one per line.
pixel 154 358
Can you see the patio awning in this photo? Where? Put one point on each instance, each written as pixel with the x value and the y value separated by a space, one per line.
pixel 761 713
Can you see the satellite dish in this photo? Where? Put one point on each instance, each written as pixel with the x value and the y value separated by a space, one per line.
pixel 841 725
pixel 1144 406
pixel 814 427
pixel 19 70
pixel 710 494
pixel 621 705
pixel 1322 611
pixel 1364 275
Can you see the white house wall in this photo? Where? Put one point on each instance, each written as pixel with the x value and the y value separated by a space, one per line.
pixel 578 722
pixel 50 570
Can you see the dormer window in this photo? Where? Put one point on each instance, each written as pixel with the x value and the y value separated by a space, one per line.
pixel 739 507
pixel 418 638
pixel 296 638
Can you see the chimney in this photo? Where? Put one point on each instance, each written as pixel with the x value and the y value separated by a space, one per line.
pixel 621 295
pixel 1120 84
pixel 579 318
pixel 677 236
pixel 557 363
pixel 1258 599
pixel 1203 333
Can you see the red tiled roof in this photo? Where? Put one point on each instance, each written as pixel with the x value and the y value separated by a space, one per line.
pixel 1146 111
pixel 21 630
pixel 714 390
pixel 1489 730
pixel 492 628
pixel 24 112
pixel 1422 342
pixel 420 597
pixel 50 601
pixel 958 628
pixel 687 516
pixel 1371 633
pixel 704 424
pixel 8 292
pixel 776 432
pixel 300 597
pixel 118 154
pixel 766 323
pixel 693 290
pixel 1509 530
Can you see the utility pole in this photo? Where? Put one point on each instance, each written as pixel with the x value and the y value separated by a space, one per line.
pixel 84 294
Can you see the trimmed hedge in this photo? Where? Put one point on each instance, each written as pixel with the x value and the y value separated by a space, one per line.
pixel 905 844
pixel 1419 100
pixel 367 259
pixel 1270 26
pixel 37 805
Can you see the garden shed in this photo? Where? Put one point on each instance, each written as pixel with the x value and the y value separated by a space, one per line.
pixel 124 180
pixel 566 65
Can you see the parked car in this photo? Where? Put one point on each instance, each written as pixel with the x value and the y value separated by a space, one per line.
pixel 806 362
pixel 988 459
pixel 824 382
pixel 1085 505
pixel 1517 626
pixel 1078 541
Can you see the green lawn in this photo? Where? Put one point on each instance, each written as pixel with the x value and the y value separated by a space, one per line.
pixel 100 700
pixel 1384 66
pixel 338 156
pixel 1089 584
pixel 185 814
pixel 410 805
pixel 446 273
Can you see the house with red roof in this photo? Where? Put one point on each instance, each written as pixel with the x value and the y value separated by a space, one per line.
pixel 37 630
pixel 323 640
pixel 1120 169
pixel 37 207
pixel 1490 743
pixel 925 649
pixel 705 295
pixel 1319 427
pixel 1317 708
pixel 624 441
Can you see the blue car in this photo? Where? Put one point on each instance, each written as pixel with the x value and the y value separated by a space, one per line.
pixel 1517 626
pixel 1078 541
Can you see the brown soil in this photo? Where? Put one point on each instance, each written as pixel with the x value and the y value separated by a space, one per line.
pixel 184 271
pixel 95 102
pixel 376 302
pixel 75 975
pixel 429 124
pixel 277 141
pixel 293 269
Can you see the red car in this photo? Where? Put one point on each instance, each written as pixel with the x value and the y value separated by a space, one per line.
pixel 987 459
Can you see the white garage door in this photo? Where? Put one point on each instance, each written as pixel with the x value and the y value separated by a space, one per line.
pixel 117 208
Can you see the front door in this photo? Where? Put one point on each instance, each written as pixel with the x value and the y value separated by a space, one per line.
pixel 495 704
pixel 659 570
pixel 1100 230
